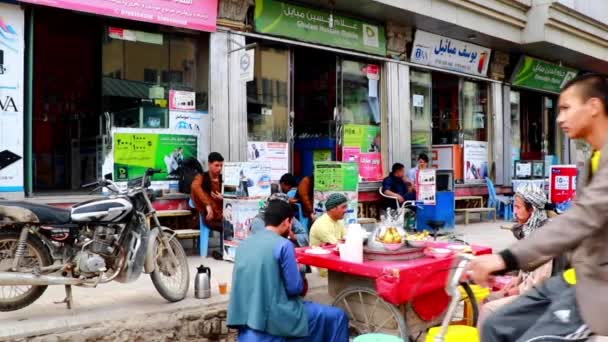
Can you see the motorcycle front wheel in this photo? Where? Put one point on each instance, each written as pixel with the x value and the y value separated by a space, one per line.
pixel 171 276
pixel 35 256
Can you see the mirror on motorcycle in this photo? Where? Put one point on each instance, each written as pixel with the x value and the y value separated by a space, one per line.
pixel 108 176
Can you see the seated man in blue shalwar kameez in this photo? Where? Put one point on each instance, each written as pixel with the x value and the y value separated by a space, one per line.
pixel 265 302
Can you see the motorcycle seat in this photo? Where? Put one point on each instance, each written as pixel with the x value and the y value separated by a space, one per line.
pixel 44 213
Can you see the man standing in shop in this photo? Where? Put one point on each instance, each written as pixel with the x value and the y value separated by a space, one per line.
pixel 423 163
pixel 574 304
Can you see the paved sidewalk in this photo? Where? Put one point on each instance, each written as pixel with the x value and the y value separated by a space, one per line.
pixel 115 301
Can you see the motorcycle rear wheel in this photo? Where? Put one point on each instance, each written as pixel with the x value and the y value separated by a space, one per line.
pixel 171 282
pixel 36 255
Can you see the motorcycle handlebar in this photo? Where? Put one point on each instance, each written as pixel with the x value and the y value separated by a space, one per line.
pixel 90 185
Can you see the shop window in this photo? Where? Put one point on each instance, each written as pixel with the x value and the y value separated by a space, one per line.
pixel 447 111
pixel 421 113
pixel 267 96
pixel 139 68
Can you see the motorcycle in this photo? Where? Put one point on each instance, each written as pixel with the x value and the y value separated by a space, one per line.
pixel 115 238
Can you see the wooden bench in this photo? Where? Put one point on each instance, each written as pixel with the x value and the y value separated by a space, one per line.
pixel 477 201
pixel 192 234
pixel 480 211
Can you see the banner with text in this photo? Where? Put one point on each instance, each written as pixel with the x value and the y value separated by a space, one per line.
pixel 193 14
pixel 318 26
pixel 362 146
pixel 11 98
pixel 446 53
pixel 247 179
pixel 536 74
pixel 276 154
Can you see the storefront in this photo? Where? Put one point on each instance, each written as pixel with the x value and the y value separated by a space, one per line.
pixel 451 112
pixel 535 86
pixel 113 87
pixel 312 96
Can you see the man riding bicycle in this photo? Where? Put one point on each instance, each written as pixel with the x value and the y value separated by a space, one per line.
pixel 573 305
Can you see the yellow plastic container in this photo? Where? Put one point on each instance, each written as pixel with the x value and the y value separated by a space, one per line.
pixel 456 333
pixel 480 293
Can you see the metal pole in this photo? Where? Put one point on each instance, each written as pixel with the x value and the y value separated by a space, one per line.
pixel 29 98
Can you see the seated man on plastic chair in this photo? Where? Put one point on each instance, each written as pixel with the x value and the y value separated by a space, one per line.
pixel 206 193
pixel 395 186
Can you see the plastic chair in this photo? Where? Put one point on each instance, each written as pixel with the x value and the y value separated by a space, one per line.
pixel 503 204
pixel 301 217
pixel 204 237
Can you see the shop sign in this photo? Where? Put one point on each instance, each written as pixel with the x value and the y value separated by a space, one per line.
pixel 451 54
pixel 192 14
pixel 536 74
pixel 318 26
pixel 134 153
pixel 195 123
pixel 276 154
pixel 247 65
pixel 11 98
pixel 475 161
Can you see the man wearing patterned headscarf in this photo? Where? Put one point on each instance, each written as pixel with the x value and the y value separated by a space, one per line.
pixel 529 210
pixel 530 214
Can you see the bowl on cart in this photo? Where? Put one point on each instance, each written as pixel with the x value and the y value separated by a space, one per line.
pixel 438 253
pixel 393 246
pixel 416 243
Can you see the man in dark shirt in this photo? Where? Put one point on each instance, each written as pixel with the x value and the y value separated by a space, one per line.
pixel 395 186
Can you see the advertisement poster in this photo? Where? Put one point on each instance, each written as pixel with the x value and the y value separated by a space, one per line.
pixel 426 188
pixel 276 154
pixel 134 153
pixel 446 53
pixel 475 161
pixel 318 26
pixel 562 186
pixel 362 146
pixel 247 180
pixel 11 98
pixel 238 215
pixel 193 14
pixel 336 176
pixel 182 100
pixel 196 123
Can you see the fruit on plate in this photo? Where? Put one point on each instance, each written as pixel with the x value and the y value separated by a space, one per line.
pixel 391 235
pixel 422 236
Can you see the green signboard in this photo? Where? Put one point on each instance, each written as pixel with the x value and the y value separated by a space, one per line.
pixel 335 176
pixel 536 74
pixel 317 26
pixel 367 138
pixel 134 153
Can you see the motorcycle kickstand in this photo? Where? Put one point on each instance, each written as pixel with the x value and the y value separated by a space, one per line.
pixel 69 299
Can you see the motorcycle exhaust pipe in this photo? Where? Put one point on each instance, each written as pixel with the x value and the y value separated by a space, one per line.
pixel 28 279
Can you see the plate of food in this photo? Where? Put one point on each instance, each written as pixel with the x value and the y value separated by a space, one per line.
pixel 418 239
pixel 317 251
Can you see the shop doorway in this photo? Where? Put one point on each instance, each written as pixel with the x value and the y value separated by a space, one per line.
pixel 66 107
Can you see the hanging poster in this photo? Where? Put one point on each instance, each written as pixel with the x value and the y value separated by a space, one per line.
pixel 362 146
pixel 276 154
pixel 197 123
pixel 182 100
pixel 246 179
pixel 451 54
pixel 134 153
pixel 475 161
pixel 562 186
pixel 426 188
pixel 11 98
pixel 238 215
pixel 336 177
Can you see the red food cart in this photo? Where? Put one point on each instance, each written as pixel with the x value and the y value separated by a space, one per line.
pixel 401 295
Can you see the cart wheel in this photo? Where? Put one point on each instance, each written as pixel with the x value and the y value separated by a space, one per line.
pixel 368 313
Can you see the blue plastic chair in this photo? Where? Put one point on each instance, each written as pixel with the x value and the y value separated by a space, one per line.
pixel 303 219
pixel 204 237
pixel 502 204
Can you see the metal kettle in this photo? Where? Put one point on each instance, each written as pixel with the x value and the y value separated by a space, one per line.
pixel 202 282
